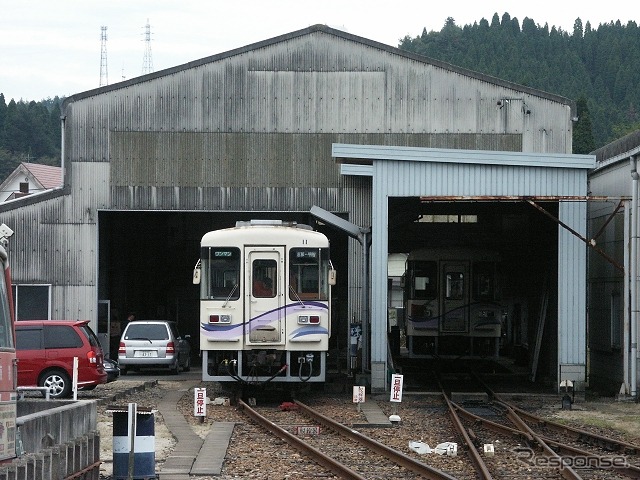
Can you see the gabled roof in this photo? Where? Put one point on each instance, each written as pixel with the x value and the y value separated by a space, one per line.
pixel 46 175
pixel 38 177
pixel 329 31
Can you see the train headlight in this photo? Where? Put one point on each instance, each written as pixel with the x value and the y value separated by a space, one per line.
pixel 219 318
pixel 308 319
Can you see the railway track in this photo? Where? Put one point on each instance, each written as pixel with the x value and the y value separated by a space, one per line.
pixel 526 446
pixel 542 445
pixel 342 461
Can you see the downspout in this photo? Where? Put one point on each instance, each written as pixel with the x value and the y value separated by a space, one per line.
pixel 634 277
pixel 626 288
pixel 63 119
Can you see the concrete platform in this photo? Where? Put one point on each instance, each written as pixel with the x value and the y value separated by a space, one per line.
pixel 215 445
pixel 374 415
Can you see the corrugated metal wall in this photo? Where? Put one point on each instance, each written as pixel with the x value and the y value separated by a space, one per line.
pixel 609 292
pixel 56 242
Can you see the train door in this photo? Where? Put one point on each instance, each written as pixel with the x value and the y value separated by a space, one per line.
pixel 455 295
pixel 265 279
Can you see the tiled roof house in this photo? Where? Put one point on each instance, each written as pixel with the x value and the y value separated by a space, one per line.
pixel 29 178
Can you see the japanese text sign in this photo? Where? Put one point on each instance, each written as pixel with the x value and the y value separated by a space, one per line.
pixel 200 402
pixel 358 394
pixel 396 388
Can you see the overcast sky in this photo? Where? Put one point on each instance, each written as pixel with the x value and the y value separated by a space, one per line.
pixel 50 48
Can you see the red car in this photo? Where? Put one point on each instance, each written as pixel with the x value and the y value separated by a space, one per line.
pixel 45 351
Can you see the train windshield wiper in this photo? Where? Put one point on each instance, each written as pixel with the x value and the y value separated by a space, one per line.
pixel 297 296
pixel 230 294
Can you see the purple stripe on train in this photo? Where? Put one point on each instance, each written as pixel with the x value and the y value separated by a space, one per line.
pixel 236 330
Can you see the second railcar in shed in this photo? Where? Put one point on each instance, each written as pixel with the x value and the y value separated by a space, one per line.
pixel 265 303
pixel 452 302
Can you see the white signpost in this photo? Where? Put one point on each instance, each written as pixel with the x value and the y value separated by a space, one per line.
pixel 396 396
pixel 358 395
pixel 200 403
pixel 396 387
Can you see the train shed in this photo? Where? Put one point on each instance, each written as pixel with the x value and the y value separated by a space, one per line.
pixel 499 181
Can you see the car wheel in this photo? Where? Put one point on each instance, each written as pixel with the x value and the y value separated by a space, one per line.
pixel 58 383
pixel 187 366
pixel 123 371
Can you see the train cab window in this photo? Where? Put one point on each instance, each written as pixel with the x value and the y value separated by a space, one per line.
pixel 423 279
pixel 454 285
pixel 264 274
pixel 308 274
pixel 220 273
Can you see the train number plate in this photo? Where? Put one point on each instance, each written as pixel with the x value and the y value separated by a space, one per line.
pixel 307 430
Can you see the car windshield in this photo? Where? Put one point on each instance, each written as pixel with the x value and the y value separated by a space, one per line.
pixel 146 331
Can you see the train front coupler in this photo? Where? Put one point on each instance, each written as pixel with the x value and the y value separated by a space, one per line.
pixel 302 360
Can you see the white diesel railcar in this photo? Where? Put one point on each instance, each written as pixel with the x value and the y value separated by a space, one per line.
pixel 265 303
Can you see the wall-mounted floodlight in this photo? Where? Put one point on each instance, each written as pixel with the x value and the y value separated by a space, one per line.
pixel 349 228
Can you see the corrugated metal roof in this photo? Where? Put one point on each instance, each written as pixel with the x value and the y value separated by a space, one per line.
pixel 367 153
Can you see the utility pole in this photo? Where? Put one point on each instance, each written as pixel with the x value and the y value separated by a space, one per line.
pixel 104 76
pixel 147 62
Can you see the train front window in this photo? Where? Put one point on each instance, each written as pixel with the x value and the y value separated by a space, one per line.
pixel 220 273
pixel 423 279
pixel 6 336
pixel 484 281
pixel 454 285
pixel 309 274
pixel 265 278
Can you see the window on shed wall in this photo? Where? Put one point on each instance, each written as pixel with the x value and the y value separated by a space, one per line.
pixel 448 219
pixel 32 302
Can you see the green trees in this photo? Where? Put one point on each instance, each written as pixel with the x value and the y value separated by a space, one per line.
pixel 29 132
pixel 583 141
pixel 601 65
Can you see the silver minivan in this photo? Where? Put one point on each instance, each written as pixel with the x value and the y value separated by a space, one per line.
pixel 153 344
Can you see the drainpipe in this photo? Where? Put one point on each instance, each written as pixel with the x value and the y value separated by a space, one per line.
pixel 626 289
pixel 634 277
pixel 63 119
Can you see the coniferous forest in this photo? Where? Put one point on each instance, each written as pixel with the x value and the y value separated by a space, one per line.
pixel 597 66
